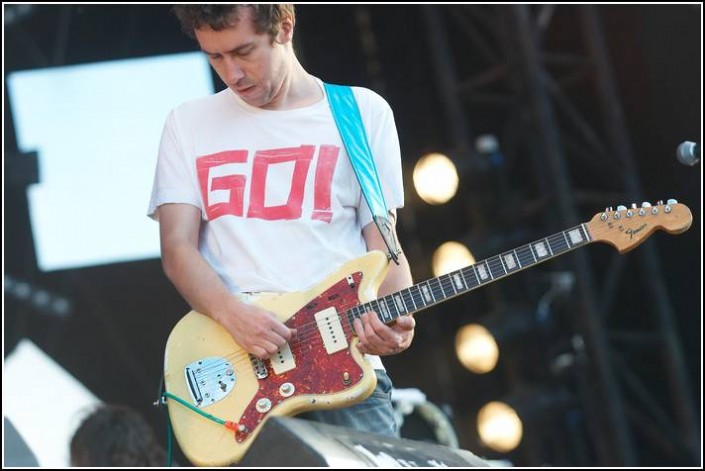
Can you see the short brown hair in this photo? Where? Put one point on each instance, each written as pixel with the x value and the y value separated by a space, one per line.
pixel 115 435
pixel 267 18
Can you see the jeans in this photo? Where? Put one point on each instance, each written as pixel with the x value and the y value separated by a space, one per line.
pixel 374 415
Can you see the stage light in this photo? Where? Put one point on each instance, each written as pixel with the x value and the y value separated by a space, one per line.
pixel 501 424
pixel 476 348
pixel 478 345
pixel 451 256
pixel 40 299
pixel 435 178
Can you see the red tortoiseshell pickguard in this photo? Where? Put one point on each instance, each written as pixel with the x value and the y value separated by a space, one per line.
pixel 316 372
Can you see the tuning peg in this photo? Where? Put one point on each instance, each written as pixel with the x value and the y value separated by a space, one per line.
pixel 618 214
pixel 659 203
pixel 645 204
pixel 671 201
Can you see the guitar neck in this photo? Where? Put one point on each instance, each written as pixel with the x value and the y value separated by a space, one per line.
pixel 436 290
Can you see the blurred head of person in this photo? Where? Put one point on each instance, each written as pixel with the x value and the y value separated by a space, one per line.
pixel 115 435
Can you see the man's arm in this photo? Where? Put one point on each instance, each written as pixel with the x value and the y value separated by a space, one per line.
pixel 376 338
pixel 257 331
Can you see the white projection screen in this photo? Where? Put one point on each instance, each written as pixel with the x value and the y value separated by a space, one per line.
pixel 96 130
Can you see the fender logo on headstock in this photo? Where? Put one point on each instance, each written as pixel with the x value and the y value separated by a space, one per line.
pixel 630 232
pixel 633 232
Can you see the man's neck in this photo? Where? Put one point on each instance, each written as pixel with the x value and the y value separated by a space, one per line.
pixel 298 90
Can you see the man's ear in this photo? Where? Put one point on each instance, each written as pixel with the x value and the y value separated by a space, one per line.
pixel 286 31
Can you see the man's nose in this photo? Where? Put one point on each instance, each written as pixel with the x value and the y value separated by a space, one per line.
pixel 233 71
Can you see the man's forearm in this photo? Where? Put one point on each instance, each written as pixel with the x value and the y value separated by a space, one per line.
pixel 196 281
pixel 398 277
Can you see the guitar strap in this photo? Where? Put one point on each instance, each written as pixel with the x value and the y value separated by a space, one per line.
pixel 349 122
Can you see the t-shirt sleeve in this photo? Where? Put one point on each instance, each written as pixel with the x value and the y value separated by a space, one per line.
pixel 174 178
pixel 382 135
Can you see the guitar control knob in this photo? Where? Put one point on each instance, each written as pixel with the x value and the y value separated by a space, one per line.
pixel 346 378
pixel 286 389
pixel 263 405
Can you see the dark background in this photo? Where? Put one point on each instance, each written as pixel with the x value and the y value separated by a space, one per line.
pixel 113 341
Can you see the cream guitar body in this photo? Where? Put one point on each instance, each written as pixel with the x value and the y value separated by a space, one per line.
pixel 320 369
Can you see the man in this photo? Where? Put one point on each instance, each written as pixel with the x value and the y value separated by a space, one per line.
pixel 254 191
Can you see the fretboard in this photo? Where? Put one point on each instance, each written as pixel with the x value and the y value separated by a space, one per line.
pixel 444 287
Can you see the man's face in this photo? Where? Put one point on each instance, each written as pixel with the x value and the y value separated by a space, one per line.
pixel 249 63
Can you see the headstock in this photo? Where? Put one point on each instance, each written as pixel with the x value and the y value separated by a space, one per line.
pixel 626 228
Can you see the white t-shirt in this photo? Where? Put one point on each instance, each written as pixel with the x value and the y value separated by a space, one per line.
pixel 280 203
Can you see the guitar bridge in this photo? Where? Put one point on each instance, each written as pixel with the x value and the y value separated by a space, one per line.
pixel 209 380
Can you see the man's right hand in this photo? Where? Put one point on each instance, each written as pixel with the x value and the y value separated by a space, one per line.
pixel 256 330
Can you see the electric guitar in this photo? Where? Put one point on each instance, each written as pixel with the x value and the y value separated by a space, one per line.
pixel 219 396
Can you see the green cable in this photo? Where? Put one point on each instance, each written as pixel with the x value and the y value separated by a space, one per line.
pixel 169 442
pixel 195 409
pixel 168 422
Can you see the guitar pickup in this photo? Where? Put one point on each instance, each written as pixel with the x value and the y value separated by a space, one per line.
pixel 259 366
pixel 283 360
pixel 331 330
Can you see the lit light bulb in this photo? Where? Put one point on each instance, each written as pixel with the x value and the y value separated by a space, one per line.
pixel 435 178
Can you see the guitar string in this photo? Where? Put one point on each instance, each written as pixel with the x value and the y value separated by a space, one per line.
pixel 444 285
pixel 308 332
pixel 526 256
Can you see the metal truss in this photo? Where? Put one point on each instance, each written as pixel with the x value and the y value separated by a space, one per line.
pixel 499 67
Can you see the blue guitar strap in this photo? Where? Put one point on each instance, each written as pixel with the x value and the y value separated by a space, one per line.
pixel 349 122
